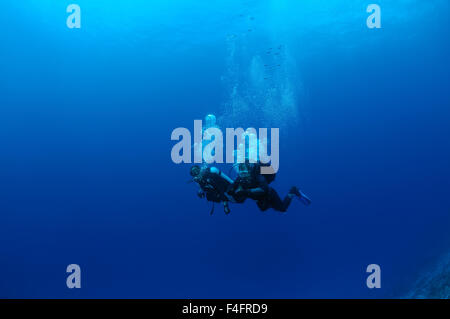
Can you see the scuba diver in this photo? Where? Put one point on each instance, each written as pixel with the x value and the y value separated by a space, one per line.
pixel 250 183
pixel 214 185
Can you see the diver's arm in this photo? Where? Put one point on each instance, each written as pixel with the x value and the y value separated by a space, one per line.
pixel 261 190
pixel 200 193
pixel 253 193
pixel 256 191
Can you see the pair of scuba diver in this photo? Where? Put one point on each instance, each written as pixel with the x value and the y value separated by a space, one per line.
pixel 217 187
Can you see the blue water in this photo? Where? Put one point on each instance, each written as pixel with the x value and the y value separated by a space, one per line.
pixel 86 175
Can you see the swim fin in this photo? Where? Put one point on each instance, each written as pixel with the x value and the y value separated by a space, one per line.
pixel 304 199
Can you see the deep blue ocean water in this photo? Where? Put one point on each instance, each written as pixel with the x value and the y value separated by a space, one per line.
pixel 86 175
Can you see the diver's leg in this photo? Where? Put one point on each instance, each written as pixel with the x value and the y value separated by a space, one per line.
pixel 276 202
pixel 263 204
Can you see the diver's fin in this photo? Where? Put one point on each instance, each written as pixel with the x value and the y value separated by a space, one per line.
pixel 304 199
pixel 212 209
pixel 301 196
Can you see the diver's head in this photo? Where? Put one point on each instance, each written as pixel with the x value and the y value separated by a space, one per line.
pixel 195 171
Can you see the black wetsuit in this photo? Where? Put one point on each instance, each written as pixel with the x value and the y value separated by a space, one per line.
pixel 214 184
pixel 273 200
pixel 252 184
